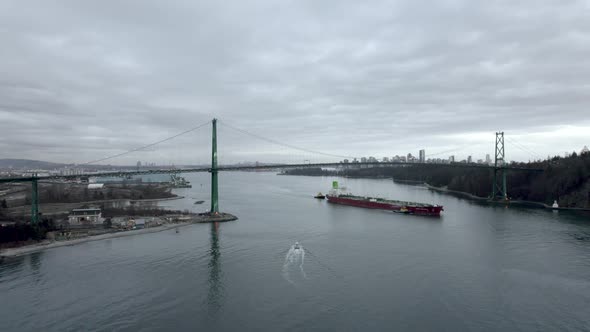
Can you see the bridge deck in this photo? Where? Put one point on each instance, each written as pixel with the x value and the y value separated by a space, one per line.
pixel 255 167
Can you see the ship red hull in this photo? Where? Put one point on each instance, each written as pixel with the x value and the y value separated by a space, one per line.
pixel 427 210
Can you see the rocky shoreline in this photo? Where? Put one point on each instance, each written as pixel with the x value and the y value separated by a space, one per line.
pixel 487 200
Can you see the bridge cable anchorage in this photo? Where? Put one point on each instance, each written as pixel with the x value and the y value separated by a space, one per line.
pixel 145 146
pixel 270 140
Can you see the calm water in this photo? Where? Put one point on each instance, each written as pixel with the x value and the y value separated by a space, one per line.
pixel 476 268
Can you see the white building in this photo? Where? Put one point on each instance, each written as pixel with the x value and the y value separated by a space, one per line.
pixel 90 216
pixel 422 156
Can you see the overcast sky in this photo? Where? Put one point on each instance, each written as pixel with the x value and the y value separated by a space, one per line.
pixel 81 80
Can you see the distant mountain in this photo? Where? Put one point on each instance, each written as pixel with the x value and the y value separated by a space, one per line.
pixel 28 164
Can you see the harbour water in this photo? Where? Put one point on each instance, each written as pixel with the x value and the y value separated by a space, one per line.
pixel 477 267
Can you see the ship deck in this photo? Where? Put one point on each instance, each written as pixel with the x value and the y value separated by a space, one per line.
pixel 383 200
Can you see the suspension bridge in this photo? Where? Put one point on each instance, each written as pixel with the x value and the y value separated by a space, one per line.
pixel 499 168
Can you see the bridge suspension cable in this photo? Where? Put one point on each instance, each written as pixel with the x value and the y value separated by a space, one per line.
pixel 282 144
pixel 524 149
pixel 445 152
pixel 145 146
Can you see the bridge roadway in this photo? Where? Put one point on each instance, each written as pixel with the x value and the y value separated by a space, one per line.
pixel 254 167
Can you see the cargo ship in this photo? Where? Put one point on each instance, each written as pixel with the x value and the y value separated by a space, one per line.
pixel 336 197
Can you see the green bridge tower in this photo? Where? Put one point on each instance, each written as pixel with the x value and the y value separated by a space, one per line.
pixel 34 179
pixel 34 200
pixel 499 163
pixel 214 171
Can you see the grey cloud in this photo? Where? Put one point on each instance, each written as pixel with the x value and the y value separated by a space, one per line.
pixel 83 80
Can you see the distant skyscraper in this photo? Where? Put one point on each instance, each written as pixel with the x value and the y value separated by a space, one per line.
pixel 422 156
pixel 451 159
pixel 469 159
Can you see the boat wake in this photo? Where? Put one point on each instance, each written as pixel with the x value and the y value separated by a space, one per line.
pixel 295 258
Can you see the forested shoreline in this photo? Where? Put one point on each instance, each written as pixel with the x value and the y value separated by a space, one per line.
pixel 565 179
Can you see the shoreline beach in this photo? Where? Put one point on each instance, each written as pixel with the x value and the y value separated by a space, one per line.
pixel 44 245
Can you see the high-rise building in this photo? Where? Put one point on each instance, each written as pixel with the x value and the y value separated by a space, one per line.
pixel 451 159
pixel 422 157
pixel 488 159
pixel 469 159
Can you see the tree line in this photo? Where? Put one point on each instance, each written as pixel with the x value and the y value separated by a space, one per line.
pixel 22 232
